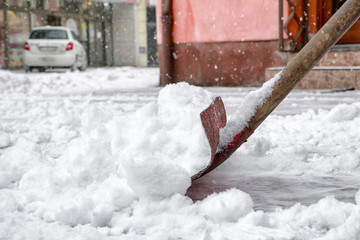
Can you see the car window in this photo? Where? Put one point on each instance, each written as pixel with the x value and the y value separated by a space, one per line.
pixel 49 34
pixel 75 36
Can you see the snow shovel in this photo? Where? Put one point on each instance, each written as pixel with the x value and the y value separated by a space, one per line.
pixel 214 117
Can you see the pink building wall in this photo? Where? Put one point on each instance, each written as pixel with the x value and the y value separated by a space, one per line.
pixel 219 42
pixel 223 21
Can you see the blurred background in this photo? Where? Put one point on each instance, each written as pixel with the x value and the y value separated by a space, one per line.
pixel 206 43
pixel 113 32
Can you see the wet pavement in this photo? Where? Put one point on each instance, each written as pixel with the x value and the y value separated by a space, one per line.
pixel 272 191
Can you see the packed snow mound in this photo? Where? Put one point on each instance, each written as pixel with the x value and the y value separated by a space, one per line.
pixel 162 145
pixel 18 160
pixel 324 141
pixel 328 219
pixel 149 154
pixel 344 112
pixel 96 79
pixel 228 206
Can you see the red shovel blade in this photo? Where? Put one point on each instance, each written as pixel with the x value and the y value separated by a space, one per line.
pixel 213 118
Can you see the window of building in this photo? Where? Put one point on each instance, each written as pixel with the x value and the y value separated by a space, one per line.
pixel 92 50
pixel 84 31
pixel 83 35
pixel 38 20
pixel 18 3
pixel 2 39
pixel 72 23
pixel 102 9
pixel 38 4
pixel 99 54
pixel 18 32
pixel 70 6
pixel 108 44
pixel 151 36
pixel 53 20
pixel 87 7
pixel 52 5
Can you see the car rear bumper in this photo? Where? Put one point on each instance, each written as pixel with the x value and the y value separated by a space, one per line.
pixel 45 60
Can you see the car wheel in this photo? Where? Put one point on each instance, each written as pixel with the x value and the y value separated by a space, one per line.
pixel 74 67
pixel 42 69
pixel 83 67
pixel 26 68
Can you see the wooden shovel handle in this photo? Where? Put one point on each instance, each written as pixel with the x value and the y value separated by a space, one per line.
pixel 304 61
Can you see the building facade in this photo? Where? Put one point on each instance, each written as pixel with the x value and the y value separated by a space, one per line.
pixel 234 42
pixel 113 32
pixel 229 42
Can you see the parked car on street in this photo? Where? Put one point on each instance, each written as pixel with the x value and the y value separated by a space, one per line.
pixel 53 47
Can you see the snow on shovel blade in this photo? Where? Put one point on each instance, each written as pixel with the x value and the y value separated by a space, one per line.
pixel 213 118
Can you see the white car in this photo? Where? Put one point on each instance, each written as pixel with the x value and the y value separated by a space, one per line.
pixel 53 47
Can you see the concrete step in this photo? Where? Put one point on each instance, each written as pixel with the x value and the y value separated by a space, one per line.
pixel 325 77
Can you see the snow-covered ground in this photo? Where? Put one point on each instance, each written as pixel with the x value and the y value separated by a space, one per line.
pixel 107 154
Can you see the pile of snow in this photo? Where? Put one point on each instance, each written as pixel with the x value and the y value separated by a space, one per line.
pixel 77 171
pixel 163 144
pixel 112 161
pixel 314 142
pixel 97 79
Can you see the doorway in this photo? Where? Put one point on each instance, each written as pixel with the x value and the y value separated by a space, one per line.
pixel 151 36
pixel 53 20
pixel 327 9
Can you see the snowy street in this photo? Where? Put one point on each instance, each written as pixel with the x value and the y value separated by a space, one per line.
pixel 108 154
